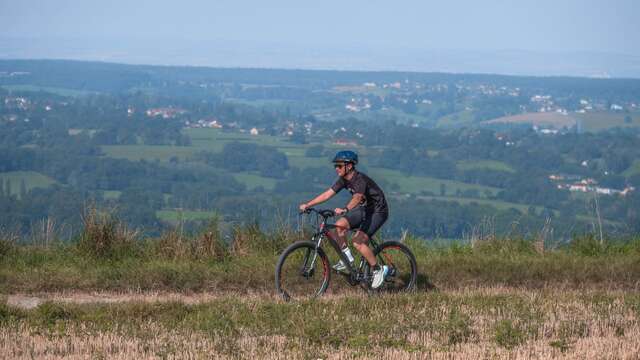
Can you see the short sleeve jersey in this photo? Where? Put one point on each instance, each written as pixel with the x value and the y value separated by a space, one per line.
pixel 360 183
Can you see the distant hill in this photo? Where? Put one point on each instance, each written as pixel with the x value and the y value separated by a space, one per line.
pixel 112 77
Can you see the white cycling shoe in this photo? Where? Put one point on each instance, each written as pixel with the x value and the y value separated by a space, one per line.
pixel 379 275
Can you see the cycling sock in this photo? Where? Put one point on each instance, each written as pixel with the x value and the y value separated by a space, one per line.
pixel 347 252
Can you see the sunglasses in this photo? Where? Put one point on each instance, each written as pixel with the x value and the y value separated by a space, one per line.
pixel 338 166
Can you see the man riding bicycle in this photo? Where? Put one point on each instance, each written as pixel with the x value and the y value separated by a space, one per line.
pixel 367 211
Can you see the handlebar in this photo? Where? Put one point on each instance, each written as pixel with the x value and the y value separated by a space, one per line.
pixel 326 213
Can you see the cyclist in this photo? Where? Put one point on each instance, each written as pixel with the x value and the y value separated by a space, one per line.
pixel 366 211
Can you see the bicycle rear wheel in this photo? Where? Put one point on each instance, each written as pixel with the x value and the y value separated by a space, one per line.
pixel 403 270
pixel 302 272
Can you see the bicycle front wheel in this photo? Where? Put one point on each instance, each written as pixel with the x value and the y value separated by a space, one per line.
pixel 302 271
pixel 403 270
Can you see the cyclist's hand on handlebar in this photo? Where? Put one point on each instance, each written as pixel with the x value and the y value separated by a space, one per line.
pixel 303 207
pixel 340 211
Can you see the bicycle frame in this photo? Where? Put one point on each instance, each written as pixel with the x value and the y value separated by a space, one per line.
pixel 356 275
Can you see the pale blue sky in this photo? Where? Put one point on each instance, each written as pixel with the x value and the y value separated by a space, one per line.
pixel 118 30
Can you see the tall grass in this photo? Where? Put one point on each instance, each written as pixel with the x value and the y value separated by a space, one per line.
pixel 104 235
pixel 109 256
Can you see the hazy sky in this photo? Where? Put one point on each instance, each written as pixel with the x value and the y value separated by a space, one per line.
pixel 611 26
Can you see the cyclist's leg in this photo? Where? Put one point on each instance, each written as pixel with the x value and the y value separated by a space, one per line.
pixel 340 233
pixel 370 226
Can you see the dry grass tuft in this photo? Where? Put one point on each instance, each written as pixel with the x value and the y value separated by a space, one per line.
pixel 104 235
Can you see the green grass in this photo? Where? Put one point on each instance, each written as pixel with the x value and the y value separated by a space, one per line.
pixel 53 90
pixel 181 262
pixel 32 180
pixel 485 164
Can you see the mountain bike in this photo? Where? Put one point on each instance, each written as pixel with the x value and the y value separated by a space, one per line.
pixel 304 271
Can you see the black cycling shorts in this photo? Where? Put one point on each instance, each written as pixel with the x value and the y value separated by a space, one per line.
pixel 365 221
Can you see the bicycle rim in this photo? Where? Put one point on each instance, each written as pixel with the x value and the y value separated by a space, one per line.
pixel 302 272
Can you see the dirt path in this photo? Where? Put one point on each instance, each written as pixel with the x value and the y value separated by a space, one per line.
pixel 33 300
pixel 30 301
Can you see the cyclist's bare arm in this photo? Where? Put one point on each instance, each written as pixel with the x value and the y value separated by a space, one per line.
pixel 328 194
pixel 356 199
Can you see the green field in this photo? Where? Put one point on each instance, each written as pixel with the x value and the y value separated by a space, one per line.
pixel 214 139
pixel 253 181
pixel 418 184
pixel 485 165
pixel 31 179
pixel 604 121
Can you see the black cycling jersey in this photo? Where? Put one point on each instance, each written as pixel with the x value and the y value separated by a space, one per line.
pixel 374 200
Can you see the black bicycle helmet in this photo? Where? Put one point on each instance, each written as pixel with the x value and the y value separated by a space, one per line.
pixel 346 156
